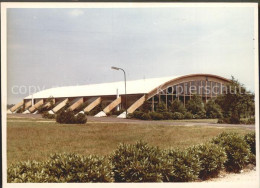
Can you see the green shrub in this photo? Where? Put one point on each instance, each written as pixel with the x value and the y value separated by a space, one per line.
pixel 196 107
pixel 46 115
pixel 146 116
pixel 188 115
pixel 178 115
pixel 167 115
pixel 109 113
pixel 137 163
pixel 251 121
pixel 184 166
pixel 224 120
pixel 20 110
pixel 117 113
pixel 234 119
pixel 97 109
pixel 213 110
pixel 161 107
pixel 212 158
pixel 247 121
pixel 156 116
pixel 201 115
pixel 78 168
pixel 146 107
pixel 230 120
pixel 68 117
pixel 62 168
pixel 250 140
pixel 236 148
pixel 177 106
pixel 130 115
pixel 23 172
pixel 81 118
pixel 137 114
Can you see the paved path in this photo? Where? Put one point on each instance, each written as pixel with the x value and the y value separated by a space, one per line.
pixel 113 119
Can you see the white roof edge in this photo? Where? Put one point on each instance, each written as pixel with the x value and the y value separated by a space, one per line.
pixel 141 86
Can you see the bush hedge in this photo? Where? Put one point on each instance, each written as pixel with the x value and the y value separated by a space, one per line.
pixel 184 166
pixel 62 168
pixel 250 140
pixel 140 162
pixel 236 148
pixel 137 163
pixel 178 115
pixel 46 115
pixel 68 117
pixel 188 115
pixel 156 116
pixel 212 158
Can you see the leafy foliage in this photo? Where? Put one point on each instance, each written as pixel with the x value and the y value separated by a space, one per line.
pixel 161 107
pixel 236 101
pixel 178 115
pixel 140 162
pixel 236 148
pixel 188 115
pixel 156 116
pixel 184 166
pixel 146 107
pixel 250 140
pixel 213 110
pixel 167 115
pixel 48 116
pixel 137 163
pixel 62 168
pixel 212 158
pixel 68 117
pixel 177 106
pixel 196 107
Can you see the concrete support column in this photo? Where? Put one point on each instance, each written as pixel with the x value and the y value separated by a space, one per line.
pixel 16 107
pixel 36 106
pixel 26 106
pixel 93 104
pixel 59 106
pixel 134 106
pixel 112 105
pixel 76 103
pixel 109 107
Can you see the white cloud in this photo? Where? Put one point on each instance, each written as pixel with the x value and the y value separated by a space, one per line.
pixel 76 12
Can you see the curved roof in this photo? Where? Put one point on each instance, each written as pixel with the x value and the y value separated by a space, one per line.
pixel 141 86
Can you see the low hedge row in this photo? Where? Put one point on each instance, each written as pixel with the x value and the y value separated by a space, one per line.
pixel 234 120
pixel 140 162
pixel 68 117
pixel 62 168
pixel 161 115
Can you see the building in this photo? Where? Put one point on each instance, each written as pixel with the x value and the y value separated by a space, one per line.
pixel 112 95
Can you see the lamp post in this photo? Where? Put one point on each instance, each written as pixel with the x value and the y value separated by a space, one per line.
pixel 117 68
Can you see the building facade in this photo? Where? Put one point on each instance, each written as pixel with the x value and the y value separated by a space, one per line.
pixel 112 95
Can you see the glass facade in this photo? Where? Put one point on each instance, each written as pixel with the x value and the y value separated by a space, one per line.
pixel 184 90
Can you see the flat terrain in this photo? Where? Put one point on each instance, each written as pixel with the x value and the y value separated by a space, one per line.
pixel 29 137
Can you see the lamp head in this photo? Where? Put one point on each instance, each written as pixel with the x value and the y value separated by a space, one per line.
pixel 116 68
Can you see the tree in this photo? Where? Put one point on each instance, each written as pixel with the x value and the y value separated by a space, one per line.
pixel 196 106
pixel 161 107
pixel 146 107
pixel 213 110
pixel 177 106
pixel 237 101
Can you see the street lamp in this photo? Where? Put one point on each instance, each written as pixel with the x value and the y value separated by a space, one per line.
pixel 117 68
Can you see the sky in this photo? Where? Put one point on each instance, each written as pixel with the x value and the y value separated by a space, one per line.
pixel 77 46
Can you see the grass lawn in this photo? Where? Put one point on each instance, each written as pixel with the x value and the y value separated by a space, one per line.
pixel 32 139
